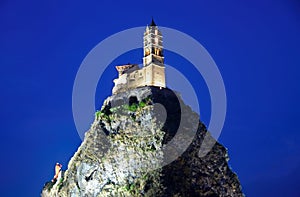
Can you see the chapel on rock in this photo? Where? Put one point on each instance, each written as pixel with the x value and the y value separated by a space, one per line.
pixel 152 72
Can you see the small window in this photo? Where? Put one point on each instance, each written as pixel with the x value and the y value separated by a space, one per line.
pixel 147 52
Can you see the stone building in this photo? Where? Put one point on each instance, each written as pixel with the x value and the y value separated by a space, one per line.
pixel 153 71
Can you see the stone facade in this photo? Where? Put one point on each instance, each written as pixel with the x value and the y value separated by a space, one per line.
pixel 153 71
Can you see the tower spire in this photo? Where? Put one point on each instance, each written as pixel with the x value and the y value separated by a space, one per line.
pixel 153 49
pixel 152 23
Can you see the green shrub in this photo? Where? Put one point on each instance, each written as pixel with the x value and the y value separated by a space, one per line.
pixel 48 186
pixel 133 107
pixel 142 104
pixel 60 184
pixel 98 114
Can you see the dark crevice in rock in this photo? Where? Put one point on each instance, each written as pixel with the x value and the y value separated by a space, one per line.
pixel 90 177
pixel 122 152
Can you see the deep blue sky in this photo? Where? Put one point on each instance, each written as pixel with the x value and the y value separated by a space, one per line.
pixel 256 45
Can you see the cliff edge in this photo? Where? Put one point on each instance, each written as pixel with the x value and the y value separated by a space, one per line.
pixel 133 148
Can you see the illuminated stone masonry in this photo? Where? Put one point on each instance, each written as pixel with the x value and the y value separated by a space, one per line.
pixel 153 71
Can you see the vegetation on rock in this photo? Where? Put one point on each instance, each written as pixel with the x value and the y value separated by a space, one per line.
pixel 123 152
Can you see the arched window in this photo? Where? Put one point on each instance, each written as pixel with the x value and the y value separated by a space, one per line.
pixel 147 52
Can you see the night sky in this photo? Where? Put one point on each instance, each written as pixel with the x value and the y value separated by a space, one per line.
pixel 256 45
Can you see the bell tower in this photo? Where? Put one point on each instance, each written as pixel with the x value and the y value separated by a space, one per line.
pixel 153 71
pixel 153 49
pixel 153 60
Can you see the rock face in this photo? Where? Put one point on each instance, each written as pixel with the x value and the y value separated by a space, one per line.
pixel 144 142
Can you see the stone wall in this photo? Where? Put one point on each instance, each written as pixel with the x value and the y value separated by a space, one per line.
pixel 151 75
